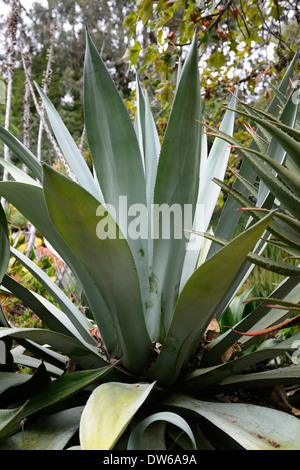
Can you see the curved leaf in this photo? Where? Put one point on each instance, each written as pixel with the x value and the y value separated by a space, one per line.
pixel 253 427
pixel 51 315
pixel 10 421
pixel 173 418
pixel 108 412
pixel 84 355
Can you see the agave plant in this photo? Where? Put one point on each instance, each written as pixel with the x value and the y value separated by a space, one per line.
pixel 143 354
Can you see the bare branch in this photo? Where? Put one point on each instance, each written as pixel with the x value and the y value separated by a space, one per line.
pixel 46 85
pixel 46 127
pixel 26 101
pixel 10 62
pixel 219 16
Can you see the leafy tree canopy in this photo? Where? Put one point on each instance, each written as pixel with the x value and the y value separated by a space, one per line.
pixel 238 41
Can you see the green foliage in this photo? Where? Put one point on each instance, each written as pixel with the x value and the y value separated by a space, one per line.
pixel 150 350
pixel 231 35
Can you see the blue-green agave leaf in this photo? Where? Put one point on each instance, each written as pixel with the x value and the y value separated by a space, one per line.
pixel 198 302
pixel 177 184
pixel 108 261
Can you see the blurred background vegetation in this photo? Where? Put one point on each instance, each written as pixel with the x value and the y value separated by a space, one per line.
pixel 240 43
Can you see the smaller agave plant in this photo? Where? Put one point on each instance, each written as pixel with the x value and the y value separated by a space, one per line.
pixel 148 350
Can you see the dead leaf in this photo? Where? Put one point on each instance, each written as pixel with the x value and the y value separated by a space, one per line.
pixel 213 330
pixel 268 94
pixel 95 333
pixel 295 411
pixel 157 346
pixel 235 348
pixel 70 366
